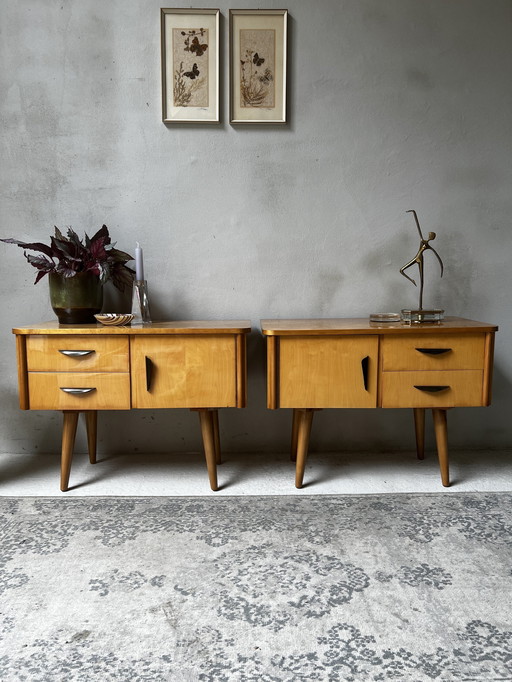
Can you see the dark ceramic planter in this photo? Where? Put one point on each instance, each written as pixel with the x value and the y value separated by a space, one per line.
pixel 75 300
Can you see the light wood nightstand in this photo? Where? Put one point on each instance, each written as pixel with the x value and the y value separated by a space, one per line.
pixel 353 363
pixel 200 365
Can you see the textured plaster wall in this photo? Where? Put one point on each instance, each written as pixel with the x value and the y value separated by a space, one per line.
pixel 392 105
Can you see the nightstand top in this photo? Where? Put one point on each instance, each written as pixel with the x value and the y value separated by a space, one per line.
pixel 169 328
pixel 362 325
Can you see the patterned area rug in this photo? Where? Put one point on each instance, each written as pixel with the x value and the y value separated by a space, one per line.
pixel 260 589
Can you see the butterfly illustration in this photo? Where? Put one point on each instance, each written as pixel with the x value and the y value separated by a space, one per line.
pixel 198 48
pixel 192 74
pixel 257 59
pixel 267 77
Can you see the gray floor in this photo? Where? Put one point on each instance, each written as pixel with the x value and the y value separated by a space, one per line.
pixel 254 474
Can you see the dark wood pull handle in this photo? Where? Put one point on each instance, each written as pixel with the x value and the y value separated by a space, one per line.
pixel 149 373
pixel 364 367
pixel 433 351
pixel 432 389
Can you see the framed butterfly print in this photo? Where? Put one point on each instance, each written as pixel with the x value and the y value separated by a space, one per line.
pixel 190 65
pixel 257 65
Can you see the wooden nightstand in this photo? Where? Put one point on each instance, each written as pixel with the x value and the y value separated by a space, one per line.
pixel 196 365
pixel 342 363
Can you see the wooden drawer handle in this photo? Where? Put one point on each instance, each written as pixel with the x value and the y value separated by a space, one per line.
pixel 76 353
pixel 149 373
pixel 433 351
pixel 364 367
pixel 77 391
pixel 432 389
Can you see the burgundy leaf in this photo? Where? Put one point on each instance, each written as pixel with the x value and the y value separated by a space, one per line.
pixel 117 255
pixel 40 275
pixel 58 233
pixel 73 237
pixel 65 270
pixel 34 246
pixel 40 262
pixel 97 248
pixel 96 269
pixel 65 249
pixel 102 232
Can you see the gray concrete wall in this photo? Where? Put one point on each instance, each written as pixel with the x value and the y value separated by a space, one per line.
pixel 392 105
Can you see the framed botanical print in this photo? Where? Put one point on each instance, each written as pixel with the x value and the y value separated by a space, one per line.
pixel 258 65
pixel 190 65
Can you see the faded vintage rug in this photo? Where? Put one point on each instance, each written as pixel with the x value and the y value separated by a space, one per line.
pixel 262 589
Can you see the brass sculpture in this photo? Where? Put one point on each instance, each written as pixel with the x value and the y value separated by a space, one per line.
pixel 418 258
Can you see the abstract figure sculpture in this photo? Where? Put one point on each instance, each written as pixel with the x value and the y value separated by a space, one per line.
pixel 418 258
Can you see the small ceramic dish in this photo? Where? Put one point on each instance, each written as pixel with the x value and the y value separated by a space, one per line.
pixel 114 319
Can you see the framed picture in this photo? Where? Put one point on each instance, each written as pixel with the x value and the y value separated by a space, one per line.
pixel 257 65
pixel 190 65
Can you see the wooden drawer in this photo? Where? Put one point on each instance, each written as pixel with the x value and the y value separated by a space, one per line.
pixel 78 353
pixel 461 388
pixel 184 371
pixel 432 351
pixel 328 371
pixel 111 391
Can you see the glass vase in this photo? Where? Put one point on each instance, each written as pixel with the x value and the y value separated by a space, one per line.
pixel 75 300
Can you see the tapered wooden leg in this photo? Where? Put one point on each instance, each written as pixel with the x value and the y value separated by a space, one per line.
pixel 441 429
pixel 68 442
pixel 304 431
pixel 216 436
pixel 91 422
pixel 419 427
pixel 207 430
pixel 295 435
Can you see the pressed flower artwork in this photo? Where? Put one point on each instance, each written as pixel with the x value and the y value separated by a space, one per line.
pixel 190 65
pixel 190 47
pixel 257 68
pixel 258 65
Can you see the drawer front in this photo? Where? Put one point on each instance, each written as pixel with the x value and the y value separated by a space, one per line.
pixel 184 371
pixel 328 371
pixel 462 388
pixel 87 353
pixel 432 351
pixel 109 391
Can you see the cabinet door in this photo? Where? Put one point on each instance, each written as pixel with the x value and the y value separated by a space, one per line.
pixel 183 371
pixel 328 371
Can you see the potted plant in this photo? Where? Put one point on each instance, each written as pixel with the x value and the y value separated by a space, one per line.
pixel 77 270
